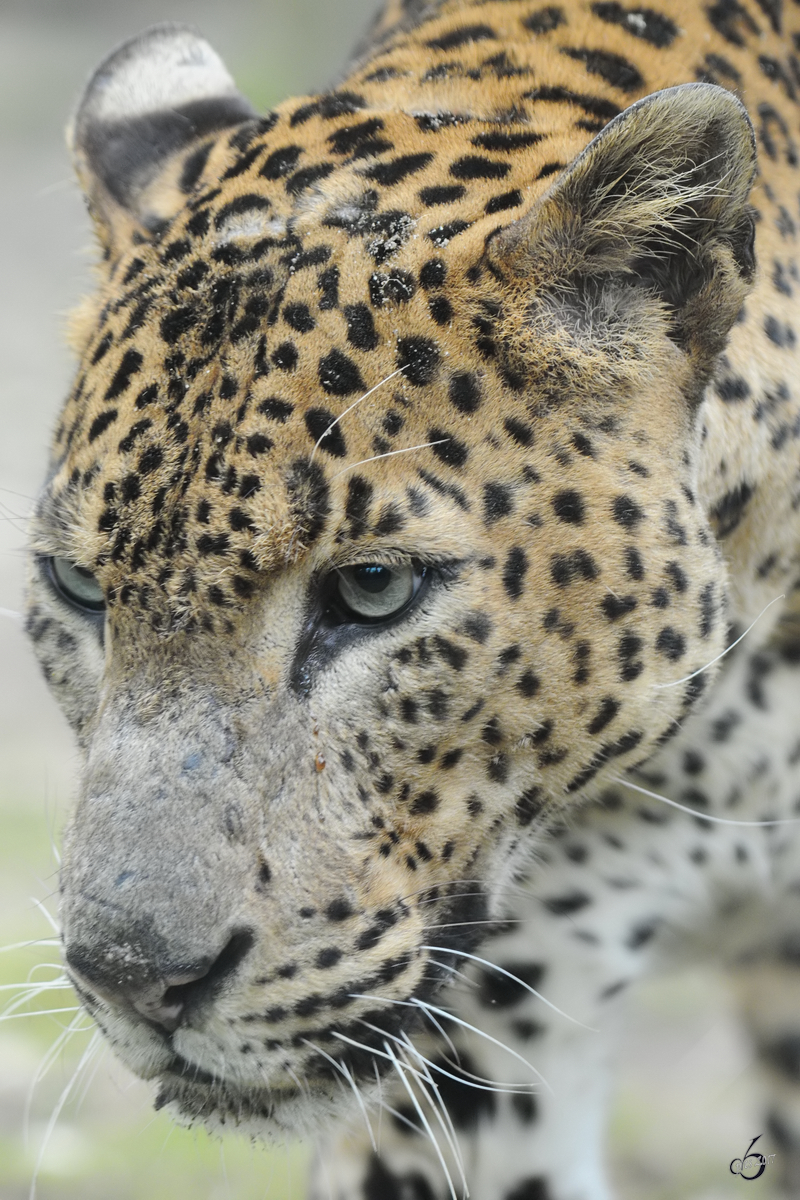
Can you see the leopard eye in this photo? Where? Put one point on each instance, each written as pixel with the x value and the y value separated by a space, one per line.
pixel 376 591
pixel 76 585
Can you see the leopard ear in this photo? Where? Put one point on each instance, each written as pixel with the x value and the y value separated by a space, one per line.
pixel 657 201
pixel 151 99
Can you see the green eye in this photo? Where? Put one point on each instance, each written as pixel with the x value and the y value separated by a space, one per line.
pixel 77 585
pixel 375 591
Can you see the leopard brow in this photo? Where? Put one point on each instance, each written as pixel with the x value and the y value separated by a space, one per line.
pixel 350 408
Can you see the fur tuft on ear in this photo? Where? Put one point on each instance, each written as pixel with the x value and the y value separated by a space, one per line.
pixel 150 99
pixel 657 201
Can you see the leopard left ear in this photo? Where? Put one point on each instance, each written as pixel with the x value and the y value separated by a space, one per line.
pixel 658 201
pixel 157 95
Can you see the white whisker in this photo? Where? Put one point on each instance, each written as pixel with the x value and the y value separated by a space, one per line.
pixel 343 1070
pixel 693 812
pixel 439 1110
pixel 675 682
pixel 86 1058
pixel 350 408
pixel 388 454
pixel 426 1123
pixel 502 971
pixel 426 1007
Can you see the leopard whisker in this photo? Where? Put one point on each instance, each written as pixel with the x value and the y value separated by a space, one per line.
pixel 343 1070
pixel 693 812
pixel 439 1110
pixel 350 408
pixel 426 1123
pixel 388 454
pixel 85 1059
pixel 675 682
pixel 502 971
pixel 426 1007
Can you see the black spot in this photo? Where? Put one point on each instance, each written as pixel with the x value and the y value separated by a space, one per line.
pixel 320 425
pixel 529 805
pixel 388 173
pixel 497 502
pixel 360 327
pixel 545 20
pixel 472 166
pixel 519 431
pixel 455 656
pixel 309 497
pixel 609 707
pixel 425 802
pixel 299 317
pixel 328 957
pixel 433 274
pixel 629 647
pixel 644 23
pixel 276 410
pixel 101 423
pixel 525 1106
pixel 285 356
pixel 514 571
pixel 464 392
pixel 394 287
pixel 497 990
pixel 441 235
pixel 462 36
pixel 306 177
pixel 281 162
pixel 570 902
pixel 339 375
pixel 615 607
pixel 129 366
pixel 450 450
pixel 568 506
pixel 732 20
pixel 615 69
pixel 528 684
pixel 440 309
pixel 634 567
pixel 627 512
pixel 729 511
pixel 431 196
pixel 328 283
pixel 603 110
pixel 504 201
pixel 418 359
pixel 780 333
pixel 566 568
pixel 258 443
pixel 671 643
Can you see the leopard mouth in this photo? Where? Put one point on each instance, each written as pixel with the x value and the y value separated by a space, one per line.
pixel 194 1095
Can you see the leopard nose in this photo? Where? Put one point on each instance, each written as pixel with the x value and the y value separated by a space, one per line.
pixel 165 994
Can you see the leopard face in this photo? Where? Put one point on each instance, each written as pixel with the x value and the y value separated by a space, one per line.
pixel 372 535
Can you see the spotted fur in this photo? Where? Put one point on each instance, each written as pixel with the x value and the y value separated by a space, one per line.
pixel 508 311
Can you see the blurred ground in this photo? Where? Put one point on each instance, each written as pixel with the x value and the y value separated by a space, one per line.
pixel 685 1104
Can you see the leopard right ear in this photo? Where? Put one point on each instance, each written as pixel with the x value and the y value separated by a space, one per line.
pixel 148 103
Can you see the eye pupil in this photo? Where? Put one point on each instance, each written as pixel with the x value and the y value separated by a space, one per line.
pixel 373 578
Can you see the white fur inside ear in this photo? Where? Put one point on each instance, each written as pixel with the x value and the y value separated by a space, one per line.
pixel 165 68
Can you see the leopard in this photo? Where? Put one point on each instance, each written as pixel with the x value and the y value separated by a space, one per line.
pixel 417 566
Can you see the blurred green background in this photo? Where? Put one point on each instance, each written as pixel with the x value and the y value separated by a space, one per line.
pixel 685 1103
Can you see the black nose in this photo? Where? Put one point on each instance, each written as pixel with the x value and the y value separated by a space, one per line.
pixel 163 993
